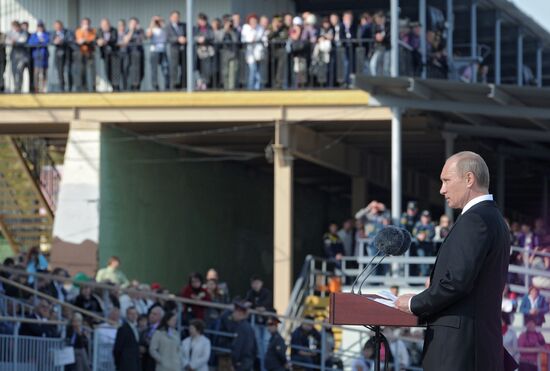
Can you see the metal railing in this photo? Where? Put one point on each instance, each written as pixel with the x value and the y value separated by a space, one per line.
pixel 280 64
pixel 42 167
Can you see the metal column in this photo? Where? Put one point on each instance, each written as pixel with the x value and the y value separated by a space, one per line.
pixel 190 46
pixel 501 182
pixel 545 190
pixel 423 43
pixel 396 164
pixel 283 200
pixel 394 34
pixel 520 57
pixel 539 64
pixel 498 26
pixel 473 37
pixel 450 30
pixel 449 151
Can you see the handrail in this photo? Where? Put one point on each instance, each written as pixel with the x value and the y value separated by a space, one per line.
pixel 54 300
pixel 31 320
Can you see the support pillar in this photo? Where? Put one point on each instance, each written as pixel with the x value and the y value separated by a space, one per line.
pixel 520 57
pixel 190 45
pixel 545 205
pixel 450 30
pixel 501 182
pixel 539 65
pixel 76 224
pixel 449 151
pixel 498 26
pixel 396 165
pixel 359 193
pixel 423 43
pixel 283 218
pixel 473 37
pixel 394 35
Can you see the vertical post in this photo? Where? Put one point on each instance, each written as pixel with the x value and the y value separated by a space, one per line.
pixel 396 164
pixel 283 218
pixel 450 31
pixel 520 57
pixel 545 206
pixel 501 183
pixel 423 43
pixel 190 45
pixel 359 193
pixel 323 356
pixel 394 35
pixel 539 64
pixel 498 26
pixel 449 151
pixel 179 315
pixel 473 38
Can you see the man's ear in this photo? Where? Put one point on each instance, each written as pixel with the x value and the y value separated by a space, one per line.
pixel 470 179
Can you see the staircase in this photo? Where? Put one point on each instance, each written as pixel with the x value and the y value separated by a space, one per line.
pixel 28 189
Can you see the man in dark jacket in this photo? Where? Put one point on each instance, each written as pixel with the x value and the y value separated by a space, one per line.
pixel 2 60
pixel 243 349
pixel 462 305
pixel 63 40
pixel 42 312
pixel 156 313
pixel 107 39
pixel 305 344
pixel 177 39
pixel 126 348
pixel 275 356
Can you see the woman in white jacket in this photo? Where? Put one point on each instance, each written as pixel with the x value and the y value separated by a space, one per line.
pixel 195 350
pixel 252 35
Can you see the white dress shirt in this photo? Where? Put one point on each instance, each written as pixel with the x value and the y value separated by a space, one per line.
pixel 475 201
pixel 468 206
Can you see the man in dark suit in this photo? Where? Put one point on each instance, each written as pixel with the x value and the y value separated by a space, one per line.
pixel 463 301
pixel 42 312
pixel 63 41
pixel 126 348
pixel 177 39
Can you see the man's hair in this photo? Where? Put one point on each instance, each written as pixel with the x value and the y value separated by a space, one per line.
pixel 174 12
pixel 113 259
pixel 471 162
pixel 198 324
pixel 130 308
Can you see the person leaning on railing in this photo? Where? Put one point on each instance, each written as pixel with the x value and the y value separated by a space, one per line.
pixel 85 37
pixel 158 56
pixel 63 39
pixel 42 312
pixel 2 60
pixel 107 41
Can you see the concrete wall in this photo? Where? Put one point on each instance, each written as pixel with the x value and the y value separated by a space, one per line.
pixel 170 218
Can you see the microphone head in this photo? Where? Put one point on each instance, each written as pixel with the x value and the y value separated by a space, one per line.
pixel 406 241
pixel 390 240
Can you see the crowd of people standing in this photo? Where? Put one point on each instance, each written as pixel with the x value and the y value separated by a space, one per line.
pixel 283 51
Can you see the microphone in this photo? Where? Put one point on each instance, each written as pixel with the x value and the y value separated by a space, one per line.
pixel 390 241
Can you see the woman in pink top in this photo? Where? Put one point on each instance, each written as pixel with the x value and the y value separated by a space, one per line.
pixel 531 339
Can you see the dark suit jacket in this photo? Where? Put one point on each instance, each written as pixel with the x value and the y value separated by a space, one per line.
pixel 38 329
pixel 462 306
pixel 126 349
pixel 111 45
pixel 172 34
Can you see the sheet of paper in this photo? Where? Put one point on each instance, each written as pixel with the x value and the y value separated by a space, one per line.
pixel 386 298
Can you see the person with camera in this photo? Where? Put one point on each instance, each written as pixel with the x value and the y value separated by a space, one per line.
pixel 158 57
pixel 107 41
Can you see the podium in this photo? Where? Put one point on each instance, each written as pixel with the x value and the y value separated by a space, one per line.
pixel 362 310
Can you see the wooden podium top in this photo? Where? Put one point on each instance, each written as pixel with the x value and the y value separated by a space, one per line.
pixel 354 309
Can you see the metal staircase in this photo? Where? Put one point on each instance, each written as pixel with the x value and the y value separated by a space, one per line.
pixel 28 189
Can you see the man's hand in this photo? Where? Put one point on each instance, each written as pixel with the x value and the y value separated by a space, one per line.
pixel 402 302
